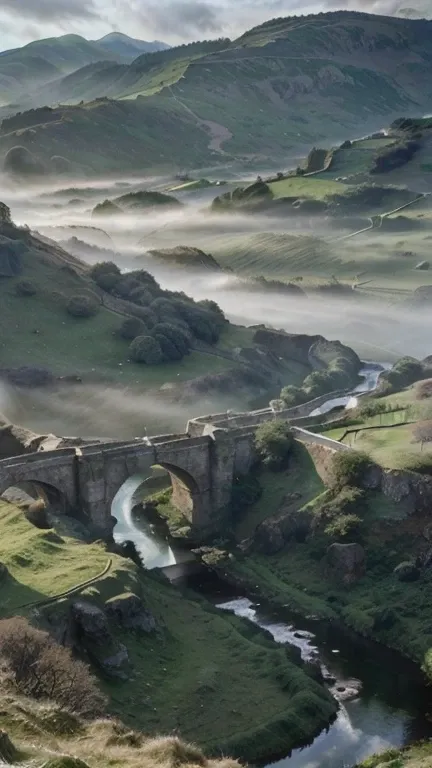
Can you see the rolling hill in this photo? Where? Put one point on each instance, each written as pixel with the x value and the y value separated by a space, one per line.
pixel 278 89
pixel 43 61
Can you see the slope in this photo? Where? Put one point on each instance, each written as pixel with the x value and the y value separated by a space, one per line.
pixel 289 82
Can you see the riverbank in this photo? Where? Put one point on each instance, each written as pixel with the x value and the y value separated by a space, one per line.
pixel 192 671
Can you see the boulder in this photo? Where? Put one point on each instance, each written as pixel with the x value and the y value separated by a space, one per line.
pixel 407 571
pixel 346 562
pixel 91 622
pixel 128 611
pixel 272 534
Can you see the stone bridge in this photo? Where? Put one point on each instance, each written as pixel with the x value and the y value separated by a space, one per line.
pixel 202 464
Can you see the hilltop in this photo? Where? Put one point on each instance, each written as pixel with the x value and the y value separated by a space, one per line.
pixel 31 66
pixel 280 87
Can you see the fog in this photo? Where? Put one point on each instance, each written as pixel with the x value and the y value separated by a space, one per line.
pixel 379 329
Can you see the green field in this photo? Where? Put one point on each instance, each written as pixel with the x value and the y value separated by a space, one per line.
pixel 203 673
pixel 316 187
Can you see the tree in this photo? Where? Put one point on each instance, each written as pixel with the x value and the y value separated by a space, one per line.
pixel 422 432
pixel 131 328
pixel 175 334
pixel 81 306
pixel 273 442
pixel 106 275
pixel 146 349
pixel 170 351
pixel 37 666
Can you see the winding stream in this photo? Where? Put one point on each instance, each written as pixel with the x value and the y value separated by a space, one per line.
pixel 390 702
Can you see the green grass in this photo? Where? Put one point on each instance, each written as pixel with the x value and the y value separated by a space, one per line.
pixel 315 187
pixel 300 477
pixel 203 673
pixel 393 447
pixel 40 567
pixel 37 330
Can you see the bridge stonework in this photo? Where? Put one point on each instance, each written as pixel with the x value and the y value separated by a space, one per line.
pixel 202 463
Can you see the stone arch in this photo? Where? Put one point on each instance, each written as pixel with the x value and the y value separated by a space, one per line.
pixel 186 495
pixel 53 496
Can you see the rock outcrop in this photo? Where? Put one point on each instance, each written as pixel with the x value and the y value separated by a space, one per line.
pixel 90 632
pixel 129 612
pixel 274 532
pixel 346 563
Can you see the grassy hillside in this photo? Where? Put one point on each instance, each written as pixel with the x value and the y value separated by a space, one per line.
pixel 389 437
pixel 286 561
pixel 202 673
pixel 284 85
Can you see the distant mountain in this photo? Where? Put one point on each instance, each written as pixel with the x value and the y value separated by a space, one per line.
pixel 128 47
pixel 271 94
pixel 43 61
pixel 419 9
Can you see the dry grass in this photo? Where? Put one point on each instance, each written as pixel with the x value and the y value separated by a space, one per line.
pixel 45 732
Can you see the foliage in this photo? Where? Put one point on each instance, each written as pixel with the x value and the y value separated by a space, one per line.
pixel 145 349
pixel 339 514
pixel 26 288
pixel 405 372
pixel 175 334
pixel 273 442
pixel 395 156
pixel 106 274
pixel 37 666
pixel 81 306
pixel 170 351
pixel 349 469
pixel 131 328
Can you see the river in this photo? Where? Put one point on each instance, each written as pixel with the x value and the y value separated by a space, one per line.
pixel 392 700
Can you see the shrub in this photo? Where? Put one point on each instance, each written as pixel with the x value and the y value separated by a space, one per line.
pixel 176 334
pixel 343 525
pixel 273 441
pixel 145 349
pixel 36 666
pixel 102 270
pixel 131 328
pixel 170 351
pixel 146 315
pixel 291 396
pixel 81 306
pixel 349 468
pixel 25 288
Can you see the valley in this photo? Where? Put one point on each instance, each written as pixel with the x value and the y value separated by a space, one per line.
pixel 215 394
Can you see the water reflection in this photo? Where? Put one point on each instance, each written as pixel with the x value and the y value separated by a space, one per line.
pixel 389 710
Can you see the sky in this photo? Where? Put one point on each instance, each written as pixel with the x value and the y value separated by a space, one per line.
pixel 173 21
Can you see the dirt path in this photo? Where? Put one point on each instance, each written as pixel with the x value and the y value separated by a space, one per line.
pixel 219 133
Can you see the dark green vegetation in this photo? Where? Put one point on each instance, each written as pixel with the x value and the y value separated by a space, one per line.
pixel 213 669
pixel 352 543
pixel 273 442
pixel 260 86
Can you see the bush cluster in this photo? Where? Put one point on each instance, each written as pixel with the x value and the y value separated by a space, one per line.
pixel 349 469
pixel 170 319
pixel 36 666
pixel 340 514
pixel 338 375
pixel 273 443
pixel 405 372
